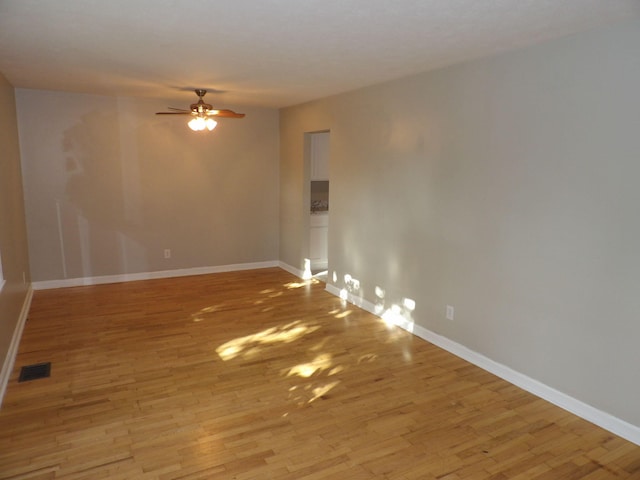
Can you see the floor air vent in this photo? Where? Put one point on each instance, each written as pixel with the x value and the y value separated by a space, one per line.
pixel 35 371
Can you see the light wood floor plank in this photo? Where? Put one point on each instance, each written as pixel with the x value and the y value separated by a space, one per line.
pixel 255 374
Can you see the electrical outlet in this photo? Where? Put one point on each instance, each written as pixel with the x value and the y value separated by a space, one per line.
pixel 449 313
pixel 167 253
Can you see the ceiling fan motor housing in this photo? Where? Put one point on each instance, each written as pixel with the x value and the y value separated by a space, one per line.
pixel 200 107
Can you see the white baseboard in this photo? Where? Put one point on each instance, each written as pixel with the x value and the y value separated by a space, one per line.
pixel 130 277
pixel 605 420
pixel 10 359
pixel 319 265
pixel 292 270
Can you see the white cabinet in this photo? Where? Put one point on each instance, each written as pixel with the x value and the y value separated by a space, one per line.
pixel 318 240
pixel 320 156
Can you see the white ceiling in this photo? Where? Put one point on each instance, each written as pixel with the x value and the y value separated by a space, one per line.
pixel 271 53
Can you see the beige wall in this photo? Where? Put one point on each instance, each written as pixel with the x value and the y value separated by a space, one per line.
pixel 109 185
pixel 294 180
pixel 505 187
pixel 13 235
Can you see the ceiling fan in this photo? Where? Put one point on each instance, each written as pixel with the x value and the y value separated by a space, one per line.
pixel 202 113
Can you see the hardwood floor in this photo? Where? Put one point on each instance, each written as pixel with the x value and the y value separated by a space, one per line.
pixel 256 375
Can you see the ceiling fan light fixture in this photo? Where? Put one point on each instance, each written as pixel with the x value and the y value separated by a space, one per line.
pixel 210 123
pixel 197 124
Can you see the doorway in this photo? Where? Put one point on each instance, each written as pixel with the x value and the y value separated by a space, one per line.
pixel 319 202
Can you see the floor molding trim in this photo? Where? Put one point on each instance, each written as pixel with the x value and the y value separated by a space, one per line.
pixel 292 270
pixel 132 277
pixel 604 420
pixel 12 353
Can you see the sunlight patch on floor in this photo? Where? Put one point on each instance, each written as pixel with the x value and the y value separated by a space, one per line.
pixel 281 334
pixel 343 314
pixel 304 283
pixel 200 315
pixel 304 395
pixel 320 363
pixel 322 390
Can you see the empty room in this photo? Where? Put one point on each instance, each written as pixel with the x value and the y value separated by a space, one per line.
pixel 319 240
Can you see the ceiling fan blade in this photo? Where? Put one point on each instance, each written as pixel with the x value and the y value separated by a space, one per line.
pixel 186 112
pixel 178 109
pixel 225 113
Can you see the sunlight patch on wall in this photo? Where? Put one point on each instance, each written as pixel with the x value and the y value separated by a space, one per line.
pixel 306 274
pixel 397 314
pixel 351 292
pixel 379 306
pixel 352 284
pixel 409 304
pixel 400 314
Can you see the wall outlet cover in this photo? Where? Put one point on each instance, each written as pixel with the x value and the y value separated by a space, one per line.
pixel 449 312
